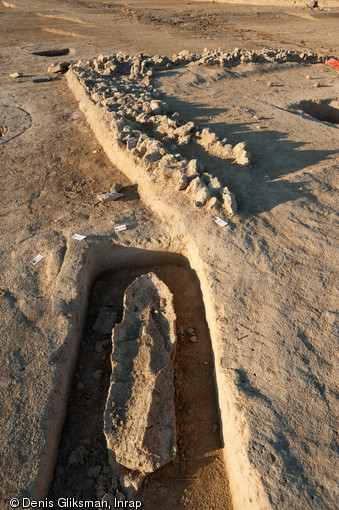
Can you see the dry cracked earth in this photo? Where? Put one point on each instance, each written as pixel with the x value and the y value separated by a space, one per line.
pixel 256 389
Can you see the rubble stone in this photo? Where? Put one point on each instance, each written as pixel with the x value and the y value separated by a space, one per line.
pixel 214 204
pixel 116 188
pixel 202 196
pixel 241 155
pixel 61 67
pixel 192 168
pixel 182 182
pixel 185 129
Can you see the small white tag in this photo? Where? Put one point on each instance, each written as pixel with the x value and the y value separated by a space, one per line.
pixel 219 221
pixel 37 259
pixel 79 237
pixel 118 228
pixel 94 152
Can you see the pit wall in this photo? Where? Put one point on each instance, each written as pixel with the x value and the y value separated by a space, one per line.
pixel 246 488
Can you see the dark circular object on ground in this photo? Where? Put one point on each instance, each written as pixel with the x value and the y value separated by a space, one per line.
pixel 326 110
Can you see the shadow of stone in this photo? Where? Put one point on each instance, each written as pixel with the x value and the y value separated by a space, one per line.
pixel 130 193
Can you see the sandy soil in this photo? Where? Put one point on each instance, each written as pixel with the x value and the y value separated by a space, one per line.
pixel 272 275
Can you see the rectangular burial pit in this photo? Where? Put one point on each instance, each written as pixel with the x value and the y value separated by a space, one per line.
pixel 197 477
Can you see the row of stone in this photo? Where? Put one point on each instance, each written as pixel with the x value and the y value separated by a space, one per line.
pixel 240 56
pixel 160 164
pixel 145 65
pixel 141 124
pixel 132 107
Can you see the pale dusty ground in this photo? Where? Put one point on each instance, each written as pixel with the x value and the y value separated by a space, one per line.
pixel 272 274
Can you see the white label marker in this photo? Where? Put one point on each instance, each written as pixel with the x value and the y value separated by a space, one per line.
pixel 220 221
pixel 37 259
pixel 119 228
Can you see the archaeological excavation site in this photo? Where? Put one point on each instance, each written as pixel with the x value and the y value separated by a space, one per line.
pixel 169 254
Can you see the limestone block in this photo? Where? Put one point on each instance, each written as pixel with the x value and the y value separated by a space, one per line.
pixel 167 170
pixel 213 183
pixel 61 67
pixel 208 137
pixel 185 129
pixel 152 156
pixel 192 168
pixel 202 196
pixel 214 204
pixel 105 321
pixel 184 140
pixel 239 149
pixel 244 159
pixel 181 182
pixel 132 143
pixel 195 185
pixel 241 155
pixel 139 419
pixel 155 107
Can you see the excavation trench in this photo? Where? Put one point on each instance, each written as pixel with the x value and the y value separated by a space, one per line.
pixel 197 477
pixel 326 110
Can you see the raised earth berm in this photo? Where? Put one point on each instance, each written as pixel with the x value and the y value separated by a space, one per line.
pixel 139 419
